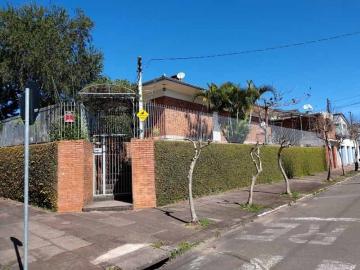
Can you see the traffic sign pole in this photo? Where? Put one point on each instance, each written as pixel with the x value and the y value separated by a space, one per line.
pixel 26 178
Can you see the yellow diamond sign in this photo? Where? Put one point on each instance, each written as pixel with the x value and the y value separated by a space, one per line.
pixel 142 114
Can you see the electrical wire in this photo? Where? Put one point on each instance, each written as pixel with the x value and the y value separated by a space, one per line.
pixel 256 50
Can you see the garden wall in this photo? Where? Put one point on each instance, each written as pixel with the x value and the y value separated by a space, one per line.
pixel 42 174
pixel 223 167
pixel 60 174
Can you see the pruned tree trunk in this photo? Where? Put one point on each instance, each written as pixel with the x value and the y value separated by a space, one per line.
pixel 197 148
pixel 281 167
pixel 341 159
pixel 329 159
pixel 194 218
pixel 250 116
pixel 258 164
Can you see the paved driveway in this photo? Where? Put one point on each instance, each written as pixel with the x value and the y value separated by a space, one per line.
pixel 321 233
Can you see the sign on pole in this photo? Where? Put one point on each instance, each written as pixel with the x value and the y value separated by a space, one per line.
pixel 34 102
pixel 142 115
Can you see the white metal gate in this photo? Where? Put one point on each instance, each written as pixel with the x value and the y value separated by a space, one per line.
pixel 112 166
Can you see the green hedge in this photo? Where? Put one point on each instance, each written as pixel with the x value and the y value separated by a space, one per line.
pixel 223 167
pixel 42 176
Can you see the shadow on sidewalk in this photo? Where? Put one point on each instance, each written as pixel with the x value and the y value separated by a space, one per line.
pixel 17 243
pixel 170 214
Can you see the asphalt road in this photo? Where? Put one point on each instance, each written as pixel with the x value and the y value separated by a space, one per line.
pixel 320 233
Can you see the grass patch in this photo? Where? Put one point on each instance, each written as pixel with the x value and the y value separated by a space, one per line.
pixel 158 244
pixel 254 208
pixel 182 248
pixel 205 222
pixel 295 195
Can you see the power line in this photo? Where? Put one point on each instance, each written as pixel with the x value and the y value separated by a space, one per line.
pixel 346 98
pixel 257 50
pixel 348 105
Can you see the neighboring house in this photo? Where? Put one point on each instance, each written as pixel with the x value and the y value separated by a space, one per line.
pixel 183 116
pixel 347 145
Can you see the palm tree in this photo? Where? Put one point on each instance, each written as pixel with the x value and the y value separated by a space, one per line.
pixel 216 100
pixel 254 94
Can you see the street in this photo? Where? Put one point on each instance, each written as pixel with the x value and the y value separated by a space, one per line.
pixel 321 232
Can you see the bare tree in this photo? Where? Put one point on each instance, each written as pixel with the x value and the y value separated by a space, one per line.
pixel 339 140
pixel 256 158
pixel 198 146
pixel 324 126
pixel 284 137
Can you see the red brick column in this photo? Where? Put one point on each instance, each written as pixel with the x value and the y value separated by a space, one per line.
pixel 75 173
pixel 143 173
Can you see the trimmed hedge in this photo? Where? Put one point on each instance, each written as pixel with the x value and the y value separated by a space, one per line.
pixel 42 174
pixel 223 167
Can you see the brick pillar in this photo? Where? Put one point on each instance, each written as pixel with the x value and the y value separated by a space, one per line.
pixel 75 173
pixel 143 173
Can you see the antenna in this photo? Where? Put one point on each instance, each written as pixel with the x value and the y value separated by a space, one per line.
pixel 180 76
pixel 308 108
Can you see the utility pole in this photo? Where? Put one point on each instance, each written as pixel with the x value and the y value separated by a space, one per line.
pixel 141 103
pixel 328 105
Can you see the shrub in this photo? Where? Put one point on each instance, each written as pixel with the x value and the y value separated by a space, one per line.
pixel 223 167
pixel 42 174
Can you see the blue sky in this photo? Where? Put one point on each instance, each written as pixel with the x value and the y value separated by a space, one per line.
pixel 126 29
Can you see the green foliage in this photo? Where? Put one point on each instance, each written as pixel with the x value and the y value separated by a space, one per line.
pixel 66 131
pixel 223 167
pixel 182 248
pixel 158 244
pixel 42 176
pixel 235 131
pixel 253 208
pixel 205 222
pixel 49 46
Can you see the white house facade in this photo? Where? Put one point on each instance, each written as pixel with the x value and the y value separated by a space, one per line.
pixel 346 151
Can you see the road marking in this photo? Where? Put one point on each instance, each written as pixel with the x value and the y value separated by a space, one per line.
pixel 117 252
pixel 314 232
pixel 335 265
pixel 322 219
pixel 274 231
pixel 263 262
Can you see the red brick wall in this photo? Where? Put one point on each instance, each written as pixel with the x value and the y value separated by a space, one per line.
pixel 75 172
pixel 256 134
pixel 143 173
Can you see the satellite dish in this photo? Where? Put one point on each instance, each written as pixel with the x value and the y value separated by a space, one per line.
pixel 308 108
pixel 180 76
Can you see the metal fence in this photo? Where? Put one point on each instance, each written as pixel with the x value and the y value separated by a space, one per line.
pixel 61 121
pixel 295 136
pixel 72 120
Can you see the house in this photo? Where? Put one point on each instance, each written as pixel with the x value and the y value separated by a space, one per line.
pixel 178 115
pixel 347 145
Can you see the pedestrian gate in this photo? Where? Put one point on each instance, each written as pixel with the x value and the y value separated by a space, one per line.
pixel 111 123
pixel 112 166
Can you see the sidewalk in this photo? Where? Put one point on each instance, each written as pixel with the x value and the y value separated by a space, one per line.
pixel 129 239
